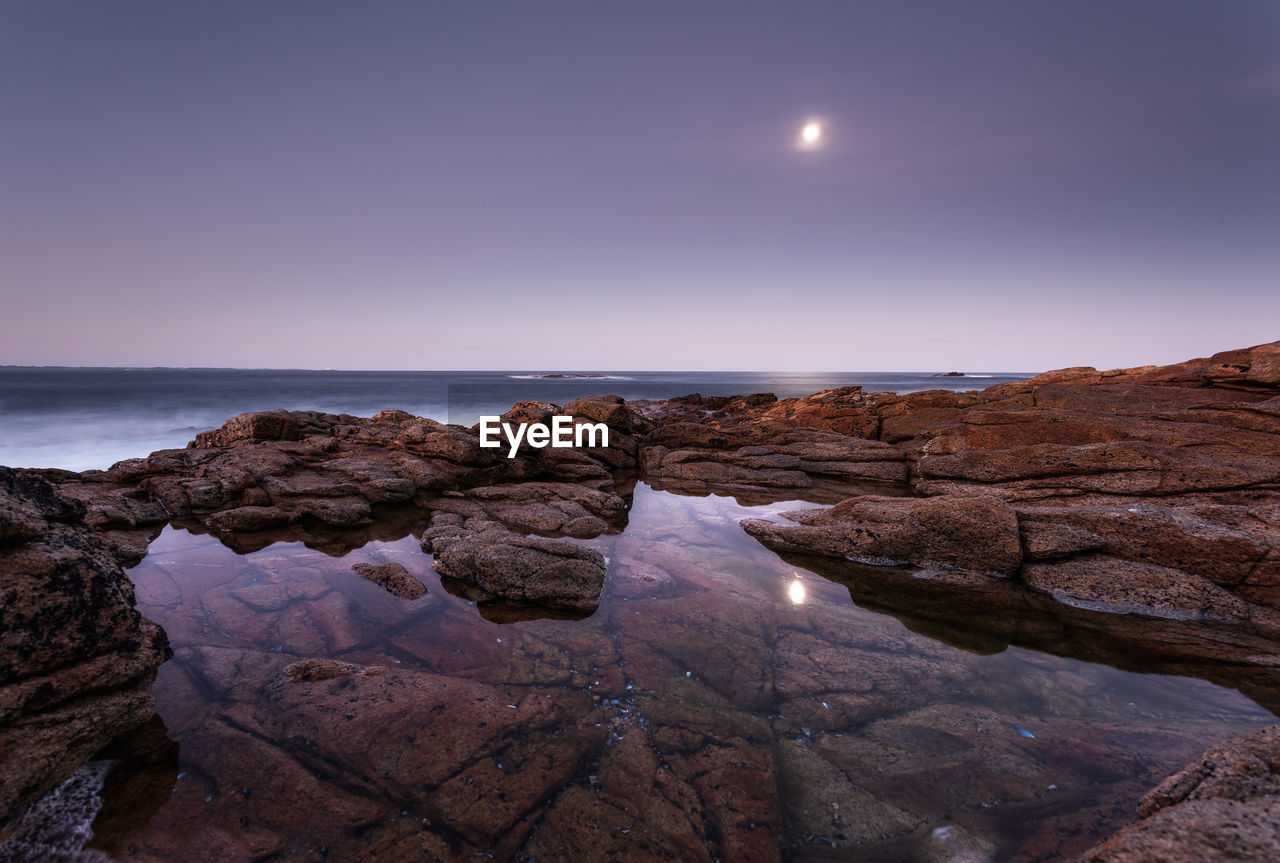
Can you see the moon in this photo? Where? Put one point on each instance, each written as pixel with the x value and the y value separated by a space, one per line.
pixel 810 136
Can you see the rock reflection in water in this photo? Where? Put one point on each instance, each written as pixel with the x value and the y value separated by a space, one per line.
pixel 701 712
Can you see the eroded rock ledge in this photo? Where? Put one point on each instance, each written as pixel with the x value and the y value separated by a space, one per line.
pixel 76 659
pixel 1150 491
pixel 1223 806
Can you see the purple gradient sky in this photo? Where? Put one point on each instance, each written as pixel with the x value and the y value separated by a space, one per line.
pixel 1006 186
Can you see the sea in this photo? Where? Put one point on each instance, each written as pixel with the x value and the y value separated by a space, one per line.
pixel 87 418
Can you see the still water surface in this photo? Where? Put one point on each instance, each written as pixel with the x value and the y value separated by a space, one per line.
pixel 720 704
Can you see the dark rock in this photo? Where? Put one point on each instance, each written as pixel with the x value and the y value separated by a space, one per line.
pixel 76 658
pixel 250 518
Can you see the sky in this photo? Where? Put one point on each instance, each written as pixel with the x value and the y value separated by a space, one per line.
pixel 998 186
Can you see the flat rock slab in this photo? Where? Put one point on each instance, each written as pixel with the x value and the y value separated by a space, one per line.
pixel 974 532
pixel 499 563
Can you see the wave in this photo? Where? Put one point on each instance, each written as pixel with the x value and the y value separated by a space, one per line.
pixel 560 377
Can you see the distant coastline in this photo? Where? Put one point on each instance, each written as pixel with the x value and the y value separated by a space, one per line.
pixel 79 418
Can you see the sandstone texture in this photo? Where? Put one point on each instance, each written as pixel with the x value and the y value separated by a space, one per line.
pixel 76 658
pixel 496 562
pixel 393 577
pixel 977 532
pixel 1149 491
pixel 1225 805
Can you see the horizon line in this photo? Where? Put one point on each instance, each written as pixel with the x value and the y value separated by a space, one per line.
pixel 526 371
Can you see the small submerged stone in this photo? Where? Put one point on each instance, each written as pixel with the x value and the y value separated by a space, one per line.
pixel 317 669
pixel 327 669
pixel 393 578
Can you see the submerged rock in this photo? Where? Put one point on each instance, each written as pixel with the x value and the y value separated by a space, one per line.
pixel 393 577
pixel 327 669
pixel 1225 805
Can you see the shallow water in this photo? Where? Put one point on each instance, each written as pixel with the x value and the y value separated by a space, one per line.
pixel 721 703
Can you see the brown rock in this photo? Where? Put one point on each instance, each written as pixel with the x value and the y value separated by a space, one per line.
pixel 1228 545
pixel 1242 769
pixel 393 577
pixel 727 469
pixel 498 563
pixel 1103 583
pixel 1129 468
pixel 250 427
pixel 76 658
pixel 532 412
pixel 1223 806
pixel 317 669
pixel 250 518
pixel 1198 831
pixel 610 410
pixel 541 507
pixel 976 532
pixel 917 412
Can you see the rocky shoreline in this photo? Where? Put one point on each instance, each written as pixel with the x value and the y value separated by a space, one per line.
pixel 1140 507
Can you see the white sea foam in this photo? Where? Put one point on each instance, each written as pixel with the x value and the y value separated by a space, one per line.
pixel 567 377
pixel 57 826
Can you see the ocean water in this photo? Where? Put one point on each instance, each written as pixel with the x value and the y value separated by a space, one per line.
pixel 82 418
